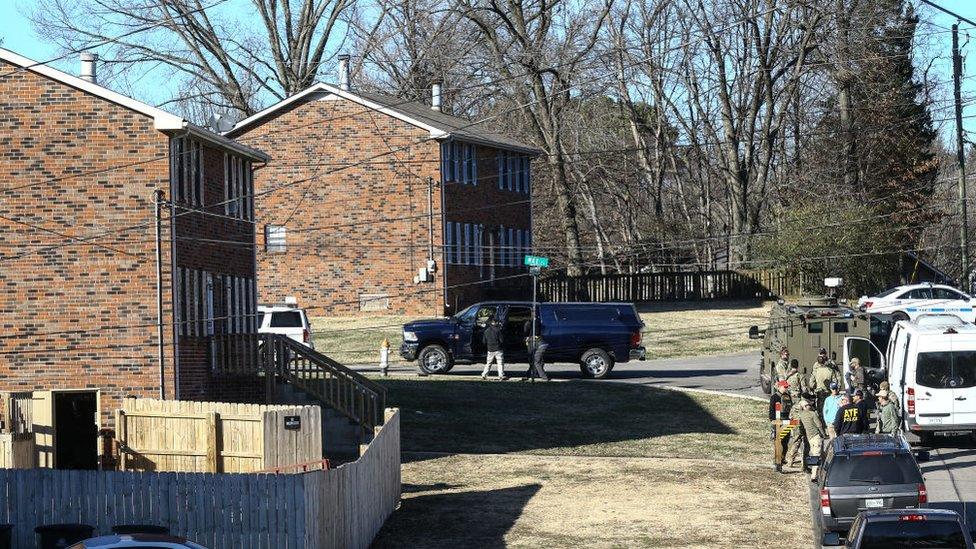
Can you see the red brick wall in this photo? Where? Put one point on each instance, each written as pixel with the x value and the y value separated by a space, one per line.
pixel 353 231
pixel 363 229
pixel 51 284
pixel 486 204
pixel 219 245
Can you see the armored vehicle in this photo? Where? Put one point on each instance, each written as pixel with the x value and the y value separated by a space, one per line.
pixel 810 323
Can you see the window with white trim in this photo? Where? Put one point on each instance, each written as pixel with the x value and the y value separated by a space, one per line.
pixel 459 163
pixel 275 239
pixel 514 172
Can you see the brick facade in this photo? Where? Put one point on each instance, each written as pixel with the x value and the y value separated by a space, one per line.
pixel 350 186
pixel 82 313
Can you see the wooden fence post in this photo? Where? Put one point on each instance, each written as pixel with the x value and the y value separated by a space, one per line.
pixel 120 437
pixel 212 441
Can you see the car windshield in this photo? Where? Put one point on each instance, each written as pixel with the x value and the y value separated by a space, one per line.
pixel 289 319
pixel 467 315
pixel 863 470
pixel 913 533
pixel 946 369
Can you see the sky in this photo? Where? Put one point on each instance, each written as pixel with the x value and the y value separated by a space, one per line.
pixel 17 34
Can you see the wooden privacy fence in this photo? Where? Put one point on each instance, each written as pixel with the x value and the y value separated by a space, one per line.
pixel 670 286
pixel 17 451
pixel 340 508
pixel 215 437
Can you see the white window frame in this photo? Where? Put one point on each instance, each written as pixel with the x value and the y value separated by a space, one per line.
pixel 459 242
pixel 275 230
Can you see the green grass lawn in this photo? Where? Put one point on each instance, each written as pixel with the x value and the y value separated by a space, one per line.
pixel 671 330
pixel 445 414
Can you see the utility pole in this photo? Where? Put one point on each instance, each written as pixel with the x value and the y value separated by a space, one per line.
pixel 961 160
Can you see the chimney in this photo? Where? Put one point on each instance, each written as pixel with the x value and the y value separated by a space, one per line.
pixel 88 66
pixel 344 71
pixel 435 95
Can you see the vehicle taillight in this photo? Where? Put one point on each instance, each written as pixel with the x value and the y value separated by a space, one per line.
pixel 923 495
pixel 911 401
pixel 306 336
pixel 635 339
pixel 825 501
pixel 912 518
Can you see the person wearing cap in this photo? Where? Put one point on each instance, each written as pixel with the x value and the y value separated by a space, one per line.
pixel 782 368
pixel 889 420
pixel 780 405
pixel 824 373
pixel 829 408
pixel 798 384
pixel 812 428
pixel 855 377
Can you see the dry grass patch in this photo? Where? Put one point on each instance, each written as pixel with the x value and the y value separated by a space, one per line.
pixel 701 328
pixel 673 330
pixel 537 501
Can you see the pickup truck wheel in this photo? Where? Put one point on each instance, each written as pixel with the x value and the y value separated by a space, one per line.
pixel 434 359
pixel 596 364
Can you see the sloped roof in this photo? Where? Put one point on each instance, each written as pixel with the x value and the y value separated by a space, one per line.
pixel 162 120
pixel 441 126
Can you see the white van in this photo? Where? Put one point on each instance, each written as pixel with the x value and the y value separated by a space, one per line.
pixel 933 373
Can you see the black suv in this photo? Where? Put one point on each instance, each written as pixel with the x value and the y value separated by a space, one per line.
pixel 864 473
pixel 904 528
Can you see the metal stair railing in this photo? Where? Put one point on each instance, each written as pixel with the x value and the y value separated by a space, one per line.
pixel 346 391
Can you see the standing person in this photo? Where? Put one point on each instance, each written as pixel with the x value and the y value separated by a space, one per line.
pixel 855 377
pixel 780 401
pixel 857 398
pixel 829 409
pixel 849 419
pixel 889 419
pixel 795 449
pixel 823 375
pixel 537 350
pixel 813 428
pixel 798 385
pixel 782 368
pixel 494 343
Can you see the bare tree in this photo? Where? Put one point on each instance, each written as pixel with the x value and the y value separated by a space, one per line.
pixel 224 55
pixel 539 49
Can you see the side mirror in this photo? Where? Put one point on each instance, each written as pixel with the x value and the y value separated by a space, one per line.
pixel 830 538
pixel 754 332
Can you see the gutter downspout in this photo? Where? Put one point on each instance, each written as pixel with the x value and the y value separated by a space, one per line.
pixel 158 201
pixel 173 272
pixel 444 250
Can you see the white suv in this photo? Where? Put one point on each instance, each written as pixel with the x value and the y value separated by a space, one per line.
pixel 908 302
pixel 287 320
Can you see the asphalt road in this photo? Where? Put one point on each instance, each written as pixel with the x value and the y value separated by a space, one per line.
pixel 950 478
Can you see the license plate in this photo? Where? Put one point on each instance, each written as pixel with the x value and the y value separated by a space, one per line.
pixel 935 420
pixel 951 433
pixel 876 503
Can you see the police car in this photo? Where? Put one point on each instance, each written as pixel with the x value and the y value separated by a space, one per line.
pixel 910 301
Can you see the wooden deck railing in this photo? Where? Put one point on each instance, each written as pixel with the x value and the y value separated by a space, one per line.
pixel 348 392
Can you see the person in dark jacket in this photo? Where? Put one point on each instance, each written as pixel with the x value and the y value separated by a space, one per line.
pixel 494 342
pixel 537 350
pixel 851 418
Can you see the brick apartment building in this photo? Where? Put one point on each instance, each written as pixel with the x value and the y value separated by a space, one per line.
pixel 371 190
pixel 79 167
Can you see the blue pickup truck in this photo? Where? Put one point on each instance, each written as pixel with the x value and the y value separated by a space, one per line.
pixel 596 335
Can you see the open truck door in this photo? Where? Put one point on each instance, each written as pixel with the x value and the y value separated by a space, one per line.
pixel 872 360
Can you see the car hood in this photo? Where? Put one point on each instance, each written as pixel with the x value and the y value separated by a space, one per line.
pixel 428 324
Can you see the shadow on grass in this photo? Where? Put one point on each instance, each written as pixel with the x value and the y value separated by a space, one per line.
pixel 479 518
pixel 460 416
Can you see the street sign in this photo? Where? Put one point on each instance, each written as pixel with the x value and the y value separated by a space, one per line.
pixel 535 271
pixel 536 261
pixel 293 423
